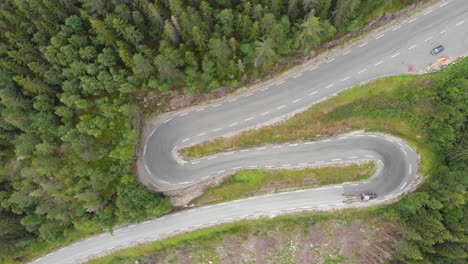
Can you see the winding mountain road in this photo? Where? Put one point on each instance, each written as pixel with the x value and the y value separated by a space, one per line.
pixel 390 53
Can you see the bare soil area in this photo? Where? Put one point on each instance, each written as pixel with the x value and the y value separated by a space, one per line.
pixel 362 241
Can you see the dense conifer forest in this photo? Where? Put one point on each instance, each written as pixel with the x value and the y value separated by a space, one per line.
pixel 71 73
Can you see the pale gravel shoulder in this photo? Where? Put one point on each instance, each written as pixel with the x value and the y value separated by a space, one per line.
pixel 180 197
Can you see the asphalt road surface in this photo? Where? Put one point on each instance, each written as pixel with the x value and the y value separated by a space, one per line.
pixel 391 53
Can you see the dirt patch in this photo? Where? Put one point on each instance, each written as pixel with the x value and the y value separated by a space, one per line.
pixel 362 241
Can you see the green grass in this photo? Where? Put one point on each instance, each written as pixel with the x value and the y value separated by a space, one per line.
pixel 248 183
pixel 370 107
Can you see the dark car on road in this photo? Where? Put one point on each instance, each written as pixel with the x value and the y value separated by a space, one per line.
pixel 437 50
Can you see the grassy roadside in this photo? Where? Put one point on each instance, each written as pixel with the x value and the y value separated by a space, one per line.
pixel 372 107
pixel 249 183
pixel 204 242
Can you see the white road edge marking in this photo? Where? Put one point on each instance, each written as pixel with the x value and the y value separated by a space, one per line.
pixel 233 100
pixel 280 83
pixel 311 69
pixel 428 12
pixel 297 75
pixel 346 53
pixel 330 60
pixel 167 120
pixel 404 185
pixel 184 114
pixel 247 95
pixel 363 44
pixel 380 36
pixel 395 28
pixel 444 4
pixel 412 20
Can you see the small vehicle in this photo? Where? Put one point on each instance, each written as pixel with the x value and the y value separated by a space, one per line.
pixel 363 197
pixel 368 196
pixel 437 50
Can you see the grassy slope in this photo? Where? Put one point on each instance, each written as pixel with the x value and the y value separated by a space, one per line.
pixel 255 182
pixel 206 240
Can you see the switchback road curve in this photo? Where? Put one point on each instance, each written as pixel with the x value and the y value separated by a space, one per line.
pixel 389 53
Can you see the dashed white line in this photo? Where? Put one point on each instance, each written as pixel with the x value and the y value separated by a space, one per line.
pixel 313 68
pixel 321 161
pixel 236 168
pixel 217 129
pixel 302 164
pixel 248 119
pixel 297 75
pixel 185 139
pixel 380 36
pixel 206 177
pixel 245 150
pixel 395 28
pixel 184 114
pixel 346 53
pixel 247 95
pixel 363 44
pixel 286 165
pixel 266 88
pixel 216 105
pixel 262 148
pixel 354 184
pixel 460 23
pixel 336 159
pixel 412 47
pixel 265 113
pixel 293 145
pixel 342 137
pixel 378 63
pixel 369 156
pixel 201 134
pixel 275 147
pixel 428 12
pixel 167 120
pixel 213 157
pixel 443 31
pixel 165 181
pixel 394 55
pixel 253 166
pixel 279 107
pixel 297 100
pixel 221 171
pixel 362 71
pixel 404 185
pixel 388 196
pixel 280 83
pixel 412 20
pixel 200 109
pixel 228 153
pixel 309 143
pixel 312 93
pixel 345 79
pixel 352 157
pixel 233 100
pixel 444 4
pixel 409 171
pixel 186 182
pixel 195 162
pixel 233 124
pixel 329 86
pixel 429 38
pixel 330 60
